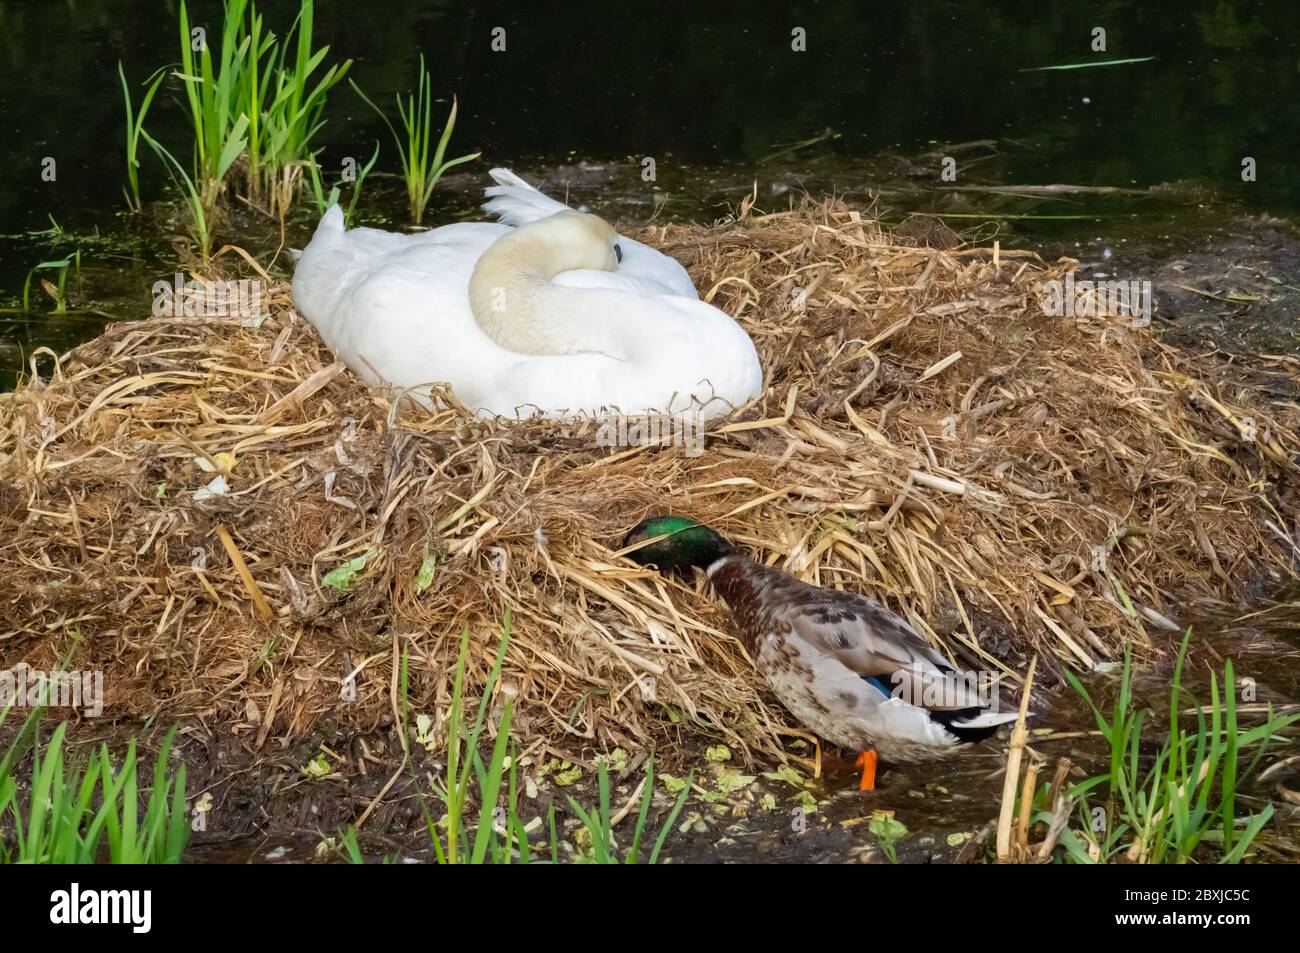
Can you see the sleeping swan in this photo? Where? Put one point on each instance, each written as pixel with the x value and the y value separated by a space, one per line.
pixel 550 312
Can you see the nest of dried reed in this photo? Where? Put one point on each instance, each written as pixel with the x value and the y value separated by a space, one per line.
pixel 1014 483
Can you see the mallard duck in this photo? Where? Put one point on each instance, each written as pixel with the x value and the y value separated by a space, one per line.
pixel 846 667
pixel 549 312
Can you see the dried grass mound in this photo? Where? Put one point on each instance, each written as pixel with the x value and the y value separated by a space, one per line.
pixel 1013 482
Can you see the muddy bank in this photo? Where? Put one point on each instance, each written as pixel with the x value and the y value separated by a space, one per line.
pixel 267 805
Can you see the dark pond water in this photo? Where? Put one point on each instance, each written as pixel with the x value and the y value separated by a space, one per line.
pixel 714 93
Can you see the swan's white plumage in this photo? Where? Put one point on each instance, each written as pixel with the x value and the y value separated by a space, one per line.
pixel 514 202
pixel 396 308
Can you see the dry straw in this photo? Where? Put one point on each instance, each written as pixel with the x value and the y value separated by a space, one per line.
pixel 1012 482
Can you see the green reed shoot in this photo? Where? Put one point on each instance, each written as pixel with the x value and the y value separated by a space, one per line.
pixel 293 115
pixel 262 98
pixel 200 215
pixel 598 821
pixel 214 94
pixel 421 167
pixel 497 835
pixel 134 126
pixel 463 757
pixel 58 290
pixel 323 201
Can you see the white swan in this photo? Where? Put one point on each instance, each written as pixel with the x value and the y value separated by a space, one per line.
pixel 550 312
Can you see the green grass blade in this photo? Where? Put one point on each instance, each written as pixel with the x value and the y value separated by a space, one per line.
pixel 671 820
pixel 490 787
pixel 647 795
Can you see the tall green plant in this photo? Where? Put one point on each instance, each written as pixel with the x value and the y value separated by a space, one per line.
pixel 262 97
pixel 214 92
pixel 293 115
pixel 599 821
pixel 463 757
pixel 200 215
pixel 422 163
pixel 134 126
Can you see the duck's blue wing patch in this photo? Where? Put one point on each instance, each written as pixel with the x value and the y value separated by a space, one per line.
pixel 879 683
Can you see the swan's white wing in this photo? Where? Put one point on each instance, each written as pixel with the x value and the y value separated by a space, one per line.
pixel 396 307
pixel 515 202
pixel 621 280
pixel 647 271
pixel 407 321
pixel 682 354
pixel 336 262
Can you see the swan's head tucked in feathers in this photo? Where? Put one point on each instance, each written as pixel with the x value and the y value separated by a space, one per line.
pixel 580 240
pixel 509 276
pixel 565 241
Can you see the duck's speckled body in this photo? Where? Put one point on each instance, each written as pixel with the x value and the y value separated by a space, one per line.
pixel 845 666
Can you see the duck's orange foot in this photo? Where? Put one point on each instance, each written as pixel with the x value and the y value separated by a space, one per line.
pixel 867 762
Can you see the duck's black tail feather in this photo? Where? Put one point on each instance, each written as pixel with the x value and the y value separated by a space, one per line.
pixel 972 724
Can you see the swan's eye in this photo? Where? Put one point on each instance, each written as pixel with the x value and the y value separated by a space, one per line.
pixel 618 252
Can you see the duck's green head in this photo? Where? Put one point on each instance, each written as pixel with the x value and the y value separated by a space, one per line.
pixel 686 544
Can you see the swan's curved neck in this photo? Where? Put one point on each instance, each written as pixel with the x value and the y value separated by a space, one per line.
pixel 515 303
